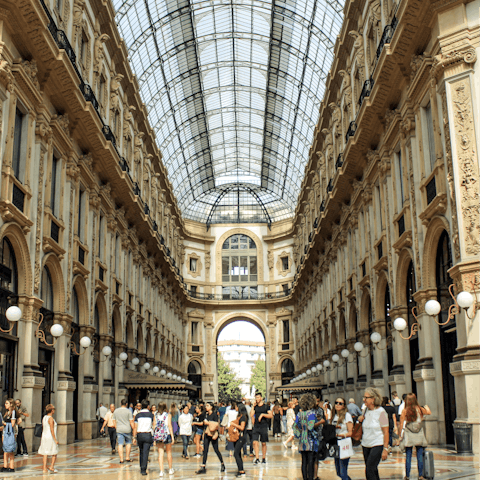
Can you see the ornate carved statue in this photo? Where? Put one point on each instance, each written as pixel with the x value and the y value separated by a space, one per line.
pixel 98 54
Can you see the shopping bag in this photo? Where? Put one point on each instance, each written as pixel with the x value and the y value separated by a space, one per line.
pixel 345 447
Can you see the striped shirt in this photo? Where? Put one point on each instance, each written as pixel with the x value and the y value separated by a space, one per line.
pixel 144 421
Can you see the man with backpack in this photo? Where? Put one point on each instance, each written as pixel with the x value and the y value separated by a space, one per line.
pixel 124 421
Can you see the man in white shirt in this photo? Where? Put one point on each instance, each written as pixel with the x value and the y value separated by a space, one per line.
pixel 143 434
pixel 101 412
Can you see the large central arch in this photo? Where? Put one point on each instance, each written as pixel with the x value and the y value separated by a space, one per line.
pixel 242 317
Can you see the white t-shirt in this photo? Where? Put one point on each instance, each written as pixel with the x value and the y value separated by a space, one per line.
pixel 185 423
pixel 401 408
pixel 372 427
pixel 232 415
pixel 343 426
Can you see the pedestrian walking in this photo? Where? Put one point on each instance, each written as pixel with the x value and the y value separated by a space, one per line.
pixel 290 421
pixel 199 425
pixel 413 433
pixel 343 422
pixel 319 422
pixel 353 409
pixel 284 415
pixel 21 422
pixel 185 428
pixel 9 442
pixel 277 420
pixel 260 414
pixel 101 412
pixel 123 418
pixel 240 424
pixel 211 423
pixel 392 421
pixel 304 430
pixel 248 444
pixel 231 416
pixel 49 441
pixel 174 414
pixel 109 422
pixel 375 433
pixel 143 434
pixel 164 437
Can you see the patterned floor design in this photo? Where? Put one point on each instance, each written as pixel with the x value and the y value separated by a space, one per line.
pixel 90 459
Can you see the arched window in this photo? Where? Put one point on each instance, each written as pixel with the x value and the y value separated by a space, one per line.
pixel 239 267
pixel 288 371
pixel 8 276
pixel 46 289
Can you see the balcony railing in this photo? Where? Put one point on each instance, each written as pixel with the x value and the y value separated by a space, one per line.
pixel 431 190
pixel 366 90
pixel 238 295
pixel 18 198
pixel 352 128
pixel 387 35
pixel 339 162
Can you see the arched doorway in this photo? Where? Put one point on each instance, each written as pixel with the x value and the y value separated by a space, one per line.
pixel 8 297
pixel 448 332
pixel 195 376
pixel 411 303
pixel 45 352
pixel 241 359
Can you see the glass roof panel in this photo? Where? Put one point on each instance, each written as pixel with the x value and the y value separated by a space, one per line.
pixel 233 92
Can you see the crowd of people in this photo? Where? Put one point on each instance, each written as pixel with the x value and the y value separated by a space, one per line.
pixel 318 429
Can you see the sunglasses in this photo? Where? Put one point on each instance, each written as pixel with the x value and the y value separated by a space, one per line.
pixel 339 403
pixel 367 397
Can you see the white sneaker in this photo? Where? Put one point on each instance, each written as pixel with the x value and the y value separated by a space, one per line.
pixel 161 473
pixel 171 471
pixel 285 444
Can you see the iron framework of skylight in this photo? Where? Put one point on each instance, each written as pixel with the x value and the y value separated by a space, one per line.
pixel 233 91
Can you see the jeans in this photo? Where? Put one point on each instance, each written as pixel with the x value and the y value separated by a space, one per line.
pixel 112 433
pixel 308 462
pixel 100 425
pixel 238 452
pixel 284 424
pixel 21 442
pixel 248 442
pixel 372 457
pixel 207 440
pixel 408 463
pixel 390 436
pixel 144 441
pixel 185 439
pixel 341 465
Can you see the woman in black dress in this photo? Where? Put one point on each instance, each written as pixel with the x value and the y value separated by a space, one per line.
pixel 277 420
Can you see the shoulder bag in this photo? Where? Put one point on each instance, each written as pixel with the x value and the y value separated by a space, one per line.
pixel 357 434
pixel 345 447
pixel 38 430
pixel 233 434
pixel 9 443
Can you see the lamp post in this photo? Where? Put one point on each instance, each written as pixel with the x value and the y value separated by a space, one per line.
pixel 56 331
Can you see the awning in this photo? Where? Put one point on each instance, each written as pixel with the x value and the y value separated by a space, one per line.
pixel 151 382
pixel 301 387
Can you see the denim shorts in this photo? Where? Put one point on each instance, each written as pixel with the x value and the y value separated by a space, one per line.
pixel 124 438
pixel 199 431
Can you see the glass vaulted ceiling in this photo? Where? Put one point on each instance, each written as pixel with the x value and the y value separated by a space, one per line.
pixel 233 90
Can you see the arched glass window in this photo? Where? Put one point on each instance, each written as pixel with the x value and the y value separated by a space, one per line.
pixel 239 267
pixel 8 274
pixel 75 307
pixel 288 371
pixel 46 289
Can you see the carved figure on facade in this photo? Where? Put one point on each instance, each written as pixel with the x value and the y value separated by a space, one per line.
pixel 98 54
pixel 359 53
pixel 78 7
pixel 115 82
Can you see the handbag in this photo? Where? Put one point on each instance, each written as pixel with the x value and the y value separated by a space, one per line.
pixel 345 446
pixel 224 422
pixel 38 430
pixel 333 450
pixel 357 434
pixel 9 443
pixel 233 434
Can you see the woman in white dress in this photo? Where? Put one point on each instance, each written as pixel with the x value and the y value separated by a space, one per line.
pixel 49 441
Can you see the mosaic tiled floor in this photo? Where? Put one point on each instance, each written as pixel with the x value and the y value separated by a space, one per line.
pixel 90 459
